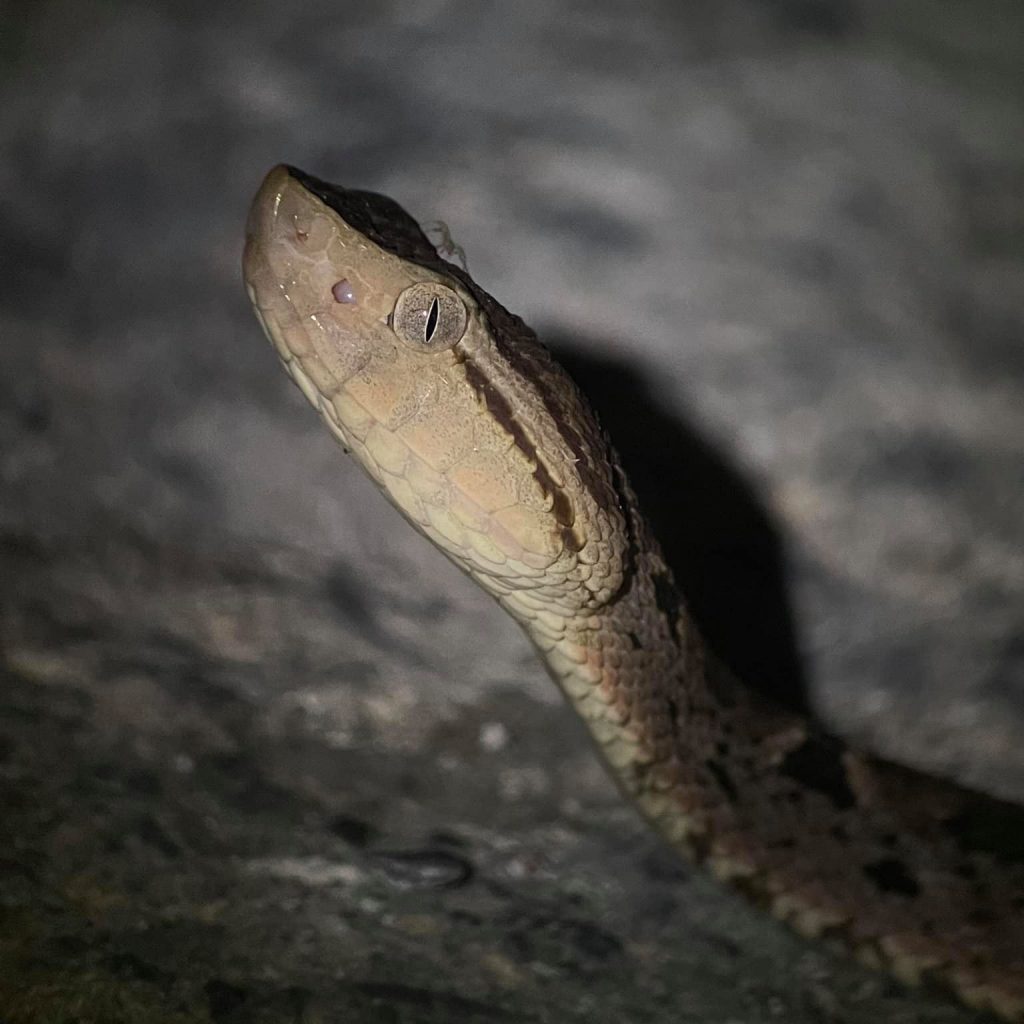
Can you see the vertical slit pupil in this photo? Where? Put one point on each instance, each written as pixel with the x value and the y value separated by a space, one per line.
pixel 431 320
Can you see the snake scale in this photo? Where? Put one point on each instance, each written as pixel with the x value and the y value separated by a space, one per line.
pixel 484 443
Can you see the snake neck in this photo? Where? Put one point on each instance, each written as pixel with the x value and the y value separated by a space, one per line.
pixel 638 673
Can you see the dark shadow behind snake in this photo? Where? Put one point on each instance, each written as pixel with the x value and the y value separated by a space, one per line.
pixel 716 535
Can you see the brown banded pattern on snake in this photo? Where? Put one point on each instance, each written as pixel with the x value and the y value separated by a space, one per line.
pixel 476 434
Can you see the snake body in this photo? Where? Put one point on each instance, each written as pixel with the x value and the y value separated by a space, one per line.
pixel 484 443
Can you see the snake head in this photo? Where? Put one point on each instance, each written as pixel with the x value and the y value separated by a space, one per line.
pixel 339 279
pixel 435 388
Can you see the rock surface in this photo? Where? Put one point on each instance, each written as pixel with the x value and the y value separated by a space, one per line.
pixel 264 756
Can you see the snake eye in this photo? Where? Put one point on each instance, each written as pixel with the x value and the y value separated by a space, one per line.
pixel 429 316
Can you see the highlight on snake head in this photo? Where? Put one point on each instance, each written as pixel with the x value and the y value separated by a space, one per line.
pixel 390 344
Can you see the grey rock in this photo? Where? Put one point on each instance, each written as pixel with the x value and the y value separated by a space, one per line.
pixel 264 756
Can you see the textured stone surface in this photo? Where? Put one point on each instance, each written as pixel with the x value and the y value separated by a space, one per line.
pixel 266 757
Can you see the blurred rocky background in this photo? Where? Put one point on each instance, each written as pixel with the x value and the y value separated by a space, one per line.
pixel 264 755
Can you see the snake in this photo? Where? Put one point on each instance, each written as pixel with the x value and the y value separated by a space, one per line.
pixel 471 428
